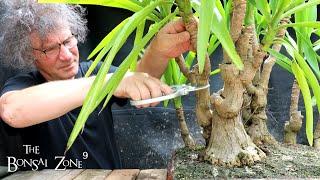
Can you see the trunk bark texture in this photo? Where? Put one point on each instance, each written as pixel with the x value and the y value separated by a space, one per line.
pixel 293 126
pixel 227 142
pixel 185 134
pixel 203 109
pixel 257 121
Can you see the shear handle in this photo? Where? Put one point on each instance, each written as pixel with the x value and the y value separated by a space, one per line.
pixel 158 99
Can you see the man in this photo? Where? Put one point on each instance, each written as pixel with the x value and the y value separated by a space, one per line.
pixel 43 105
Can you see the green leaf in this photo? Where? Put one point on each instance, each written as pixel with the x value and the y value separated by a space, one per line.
pixel 168 79
pixel 289 44
pixel 313 82
pixel 302 82
pixel 108 39
pixel 220 8
pixel 138 38
pixel 195 5
pixel 190 58
pixel 163 79
pixel 131 5
pixel 214 72
pixel 177 102
pixel 168 75
pixel 249 18
pixel 295 3
pixel 300 8
pixel 263 7
pixel 261 22
pixel 106 44
pixel 206 9
pixel 165 8
pixel 274 5
pixel 213 44
pixel 310 55
pixel 314 102
pixel 219 28
pixel 175 71
pixel 228 10
pixel 301 24
pixel 113 84
pixel 281 60
pixel 282 5
pixel 90 102
pixel 302 33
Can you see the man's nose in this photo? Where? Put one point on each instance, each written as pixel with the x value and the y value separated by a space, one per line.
pixel 65 53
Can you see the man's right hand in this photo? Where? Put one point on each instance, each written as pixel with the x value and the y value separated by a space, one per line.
pixel 139 86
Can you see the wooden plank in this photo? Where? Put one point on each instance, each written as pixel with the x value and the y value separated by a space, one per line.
pixel 124 174
pixel 72 173
pixel 20 175
pixel 3 171
pixel 47 174
pixel 93 174
pixel 149 174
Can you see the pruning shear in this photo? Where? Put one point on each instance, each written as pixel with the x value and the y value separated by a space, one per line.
pixel 178 90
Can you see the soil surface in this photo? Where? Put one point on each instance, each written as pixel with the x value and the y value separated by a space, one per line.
pixel 282 161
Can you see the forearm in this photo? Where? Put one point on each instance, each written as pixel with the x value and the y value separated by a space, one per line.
pixel 43 102
pixel 152 64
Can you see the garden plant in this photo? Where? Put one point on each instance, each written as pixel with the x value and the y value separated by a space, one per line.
pixel 254 35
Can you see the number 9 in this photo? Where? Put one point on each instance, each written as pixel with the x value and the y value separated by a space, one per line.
pixel 85 155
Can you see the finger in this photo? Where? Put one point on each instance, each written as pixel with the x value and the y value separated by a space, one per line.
pixel 154 86
pixel 165 89
pixel 174 27
pixel 183 37
pixel 134 93
pixel 144 92
pixel 185 46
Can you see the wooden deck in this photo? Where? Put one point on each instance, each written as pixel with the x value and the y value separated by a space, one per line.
pixel 95 174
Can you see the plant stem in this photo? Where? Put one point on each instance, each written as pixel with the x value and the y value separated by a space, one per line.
pixel 293 126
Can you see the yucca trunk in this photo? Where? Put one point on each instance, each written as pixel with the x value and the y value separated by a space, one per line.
pixel 293 126
pixel 203 109
pixel 227 142
pixel 257 121
pixel 185 134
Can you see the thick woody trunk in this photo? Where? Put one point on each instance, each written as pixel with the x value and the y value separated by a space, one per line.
pixel 293 126
pixel 257 129
pixel 227 142
pixel 230 145
pixel 203 109
pixel 185 134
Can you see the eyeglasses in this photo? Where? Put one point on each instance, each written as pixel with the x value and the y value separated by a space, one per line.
pixel 54 51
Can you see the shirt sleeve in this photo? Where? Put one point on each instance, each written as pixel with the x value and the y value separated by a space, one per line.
pixel 18 82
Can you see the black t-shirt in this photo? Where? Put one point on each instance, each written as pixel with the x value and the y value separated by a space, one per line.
pixel 94 148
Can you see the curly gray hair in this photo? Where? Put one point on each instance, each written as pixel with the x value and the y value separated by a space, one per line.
pixel 20 17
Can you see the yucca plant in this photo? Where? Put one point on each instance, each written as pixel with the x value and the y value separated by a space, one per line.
pixel 251 33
